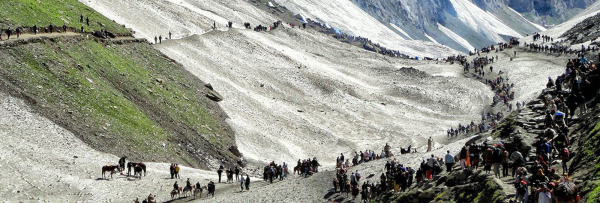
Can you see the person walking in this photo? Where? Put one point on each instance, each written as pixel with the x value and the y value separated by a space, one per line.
pixel 430 164
pixel 449 161
pixel 564 155
pixel 517 159
pixel 247 183
pixel 237 173
pixel 211 188
pixel 429 142
pixel 504 161
pixel 242 181
pixel 463 157
pixel 219 172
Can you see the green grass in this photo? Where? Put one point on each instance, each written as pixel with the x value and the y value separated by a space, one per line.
pixel 118 98
pixel 589 150
pixel 26 13
pixel 593 195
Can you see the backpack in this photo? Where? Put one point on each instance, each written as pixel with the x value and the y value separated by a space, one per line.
pixel 566 155
pixel 497 156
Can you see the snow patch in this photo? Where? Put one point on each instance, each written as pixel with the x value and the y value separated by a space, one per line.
pixel 464 43
pixel 401 31
pixel 481 21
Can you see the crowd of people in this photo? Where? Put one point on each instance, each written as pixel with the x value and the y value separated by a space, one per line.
pixel 534 181
pixel 51 28
pixel 548 45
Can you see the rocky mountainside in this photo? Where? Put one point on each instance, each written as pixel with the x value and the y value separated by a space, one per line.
pixel 587 30
pixel 540 11
pixel 459 24
pixel 464 24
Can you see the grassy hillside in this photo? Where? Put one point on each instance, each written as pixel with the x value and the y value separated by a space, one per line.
pixel 122 99
pixel 26 13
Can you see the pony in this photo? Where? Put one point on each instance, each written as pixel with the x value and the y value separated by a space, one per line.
pixel 133 165
pixel 109 168
pixel 335 185
pixel 297 169
pixel 187 190
pixel 355 192
pixel 374 192
pixel 176 192
pixel 137 170
pixel 347 189
pixel 229 176
pixel 198 191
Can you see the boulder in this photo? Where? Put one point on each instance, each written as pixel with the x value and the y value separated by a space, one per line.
pixel 427 195
pixel 209 86
pixel 212 95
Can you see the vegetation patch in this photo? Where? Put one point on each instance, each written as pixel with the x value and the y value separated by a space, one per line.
pixel 124 99
pixel 27 13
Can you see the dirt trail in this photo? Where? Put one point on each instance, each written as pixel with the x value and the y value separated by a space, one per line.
pixel 52 35
pixel 28 36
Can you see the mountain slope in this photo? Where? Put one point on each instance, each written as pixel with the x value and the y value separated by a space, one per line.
pixel 120 96
pixel 557 31
pixel 451 22
pixel 123 99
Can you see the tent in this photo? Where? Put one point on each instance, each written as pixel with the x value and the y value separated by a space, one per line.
pixel 301 18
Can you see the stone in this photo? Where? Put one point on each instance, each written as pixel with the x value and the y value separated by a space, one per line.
pixel 212 95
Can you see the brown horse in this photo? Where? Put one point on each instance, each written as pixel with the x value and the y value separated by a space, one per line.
pixel 297 169
pixel 109 168
pixel 175 192
pixel 347 189
pixel 335 185
pixel 134 165
pixel 137 170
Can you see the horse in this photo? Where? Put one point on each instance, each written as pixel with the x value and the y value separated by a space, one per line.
pixel 108 168
pixel 298 169
pixel 176 192
pixel 187 190
pixel 198 191
pixel 374 192
pixel 347 189
pixel 335 185
pixel 230 176
pixel 137 170
pixel 131 164
pixel 355 192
